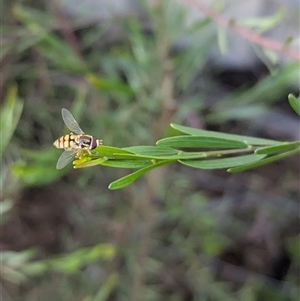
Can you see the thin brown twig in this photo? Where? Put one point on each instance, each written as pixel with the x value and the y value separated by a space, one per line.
pixel 245 32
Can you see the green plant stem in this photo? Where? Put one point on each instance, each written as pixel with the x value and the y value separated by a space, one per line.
pixel 230 152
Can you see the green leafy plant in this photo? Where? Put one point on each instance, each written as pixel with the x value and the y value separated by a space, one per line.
pixel 234 152
pixel 18 266
pixel 9 117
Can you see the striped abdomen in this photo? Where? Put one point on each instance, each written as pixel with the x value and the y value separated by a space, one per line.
pixel 68 142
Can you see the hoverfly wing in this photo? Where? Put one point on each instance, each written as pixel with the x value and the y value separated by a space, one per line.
pixel 70 122
pixel 65 158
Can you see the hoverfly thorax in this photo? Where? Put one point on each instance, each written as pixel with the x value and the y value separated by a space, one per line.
pixel 89 142
pixel 73 144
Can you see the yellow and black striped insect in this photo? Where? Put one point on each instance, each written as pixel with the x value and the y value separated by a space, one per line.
pixel 73 144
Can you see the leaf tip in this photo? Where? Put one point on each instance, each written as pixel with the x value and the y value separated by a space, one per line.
pixel 112 186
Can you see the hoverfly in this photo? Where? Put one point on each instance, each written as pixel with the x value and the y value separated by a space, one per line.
pixel 73 144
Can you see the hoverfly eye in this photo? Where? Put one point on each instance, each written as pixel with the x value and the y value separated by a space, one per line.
pixel 94 143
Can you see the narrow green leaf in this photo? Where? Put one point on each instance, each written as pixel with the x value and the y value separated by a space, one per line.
pixel 107 150
pixel 127 180
pixel 222 39
pixel 277 148
pixel 71 262
pixel 181 155
pixel 128 157
pixel 60 53
pixel 200 141
pixel 241 112
pixel 263 24
pixel 128 163
pixel 106 288
pixel 112 86
pixel 43 156
pixel 9 117
pixel 203 133
pixel 125 163
pixel 32 15
pixel 264 161
pixel 222 163
pixel 294 103
pixel 34 174
pixel 152 150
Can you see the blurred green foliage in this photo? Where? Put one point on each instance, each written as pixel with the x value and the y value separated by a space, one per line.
pixel 295 103
pixel 163 237
pixel 9 118
pixel 17 266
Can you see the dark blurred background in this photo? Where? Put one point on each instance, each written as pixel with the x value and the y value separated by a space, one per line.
pixel 126 70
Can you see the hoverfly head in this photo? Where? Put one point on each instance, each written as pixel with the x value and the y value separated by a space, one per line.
pixel 95 142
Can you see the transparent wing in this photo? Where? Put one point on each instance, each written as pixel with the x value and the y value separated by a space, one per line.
pixel 70 122
pixel 65 158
